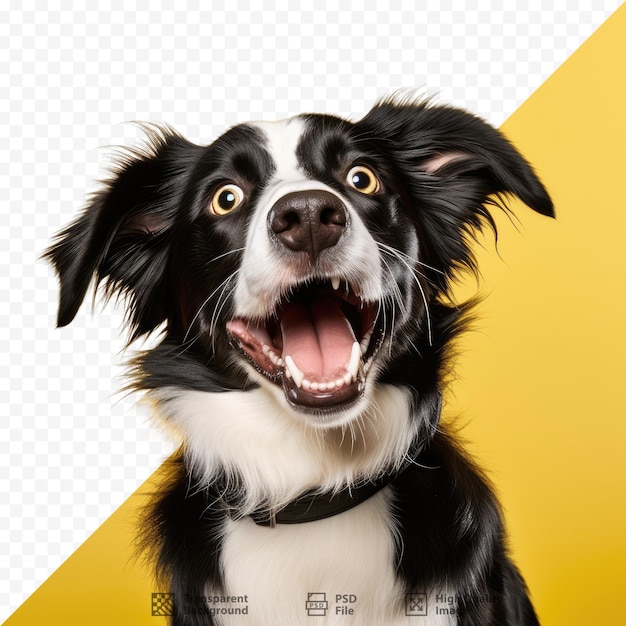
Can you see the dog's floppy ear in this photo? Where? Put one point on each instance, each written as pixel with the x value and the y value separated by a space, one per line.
pixel 122 234
pixel 453 167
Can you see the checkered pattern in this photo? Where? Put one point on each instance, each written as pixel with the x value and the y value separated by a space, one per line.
pixel 162 604
pixel 71 447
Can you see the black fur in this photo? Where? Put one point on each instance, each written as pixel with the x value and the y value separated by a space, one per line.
pixel 147 236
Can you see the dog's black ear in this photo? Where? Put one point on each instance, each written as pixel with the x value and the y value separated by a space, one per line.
pixel 122 235
pixel 453 166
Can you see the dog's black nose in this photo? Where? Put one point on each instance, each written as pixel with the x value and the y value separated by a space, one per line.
pixel 308 221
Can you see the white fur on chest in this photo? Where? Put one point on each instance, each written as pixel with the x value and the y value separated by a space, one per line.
pixel 333 572
pixel 250 436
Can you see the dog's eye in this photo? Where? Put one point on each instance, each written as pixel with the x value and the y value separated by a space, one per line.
pixel 363 179
pixel 226 199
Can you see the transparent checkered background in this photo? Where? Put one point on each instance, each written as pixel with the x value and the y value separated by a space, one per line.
pixel 72 448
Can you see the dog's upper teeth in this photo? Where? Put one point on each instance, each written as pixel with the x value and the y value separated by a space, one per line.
pixel 295 372
pixel 335 281
pixel 272 356
pixel 355 360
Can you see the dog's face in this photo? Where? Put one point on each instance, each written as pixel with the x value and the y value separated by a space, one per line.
pixel 309 256
pixel 318 285
pixel 309 301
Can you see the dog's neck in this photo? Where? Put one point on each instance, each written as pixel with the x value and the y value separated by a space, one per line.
pixel 313 506
pixel 269 459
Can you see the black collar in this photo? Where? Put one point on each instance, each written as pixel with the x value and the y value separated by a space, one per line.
pixel 313 505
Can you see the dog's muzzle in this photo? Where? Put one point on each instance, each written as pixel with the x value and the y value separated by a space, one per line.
pixel 320 337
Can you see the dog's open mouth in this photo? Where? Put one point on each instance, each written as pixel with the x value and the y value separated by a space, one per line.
pixel 318 343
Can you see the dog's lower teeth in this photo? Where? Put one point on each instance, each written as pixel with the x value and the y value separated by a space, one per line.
pixel 324 385
pixel 293 372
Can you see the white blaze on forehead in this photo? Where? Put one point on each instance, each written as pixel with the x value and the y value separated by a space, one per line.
pixel 283 138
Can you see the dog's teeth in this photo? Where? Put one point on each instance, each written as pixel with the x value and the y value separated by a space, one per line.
pixel 347 378
pixel 306 384
pixel 355 360
pixel 280 362
pixel 323 386
pixel 292 368
pixel 265 349
pixel 335 281
pixel 314 386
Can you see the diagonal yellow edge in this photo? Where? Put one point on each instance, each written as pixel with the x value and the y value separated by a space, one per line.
pixel 102 583
pixel 540 386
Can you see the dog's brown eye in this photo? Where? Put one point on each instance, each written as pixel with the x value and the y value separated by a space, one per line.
pixel 363 179
pixel 226 199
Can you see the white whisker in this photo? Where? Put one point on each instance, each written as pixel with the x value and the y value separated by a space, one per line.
pixel 221 256
pixel 397 293
pixel 206 301
pixel 410 259
pixel 218 310
pixel 399 256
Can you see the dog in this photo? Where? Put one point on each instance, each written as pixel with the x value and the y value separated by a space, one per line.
pixel 300 276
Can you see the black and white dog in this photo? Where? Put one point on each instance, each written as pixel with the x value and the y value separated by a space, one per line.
pixel 300 273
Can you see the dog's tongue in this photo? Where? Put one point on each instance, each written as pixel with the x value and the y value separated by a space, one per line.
pixel 318 338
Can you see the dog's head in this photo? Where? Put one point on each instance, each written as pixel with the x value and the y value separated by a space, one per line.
pixel 310 256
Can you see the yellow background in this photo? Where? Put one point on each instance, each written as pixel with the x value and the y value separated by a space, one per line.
pixel 540 385
pixel 542 382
